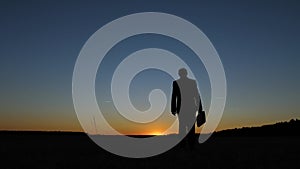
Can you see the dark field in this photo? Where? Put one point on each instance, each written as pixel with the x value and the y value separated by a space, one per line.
pixel 75 150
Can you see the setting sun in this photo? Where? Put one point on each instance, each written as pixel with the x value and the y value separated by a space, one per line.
pixel 156 133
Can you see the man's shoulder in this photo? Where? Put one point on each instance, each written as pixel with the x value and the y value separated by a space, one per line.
pixel 191 80
pixel 185 80
pixel 175 83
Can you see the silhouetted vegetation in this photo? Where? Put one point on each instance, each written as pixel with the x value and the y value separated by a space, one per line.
pixel 290 128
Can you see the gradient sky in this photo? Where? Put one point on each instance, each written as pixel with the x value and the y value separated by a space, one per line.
pixel 257 41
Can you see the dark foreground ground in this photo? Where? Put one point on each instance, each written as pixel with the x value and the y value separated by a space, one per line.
pixel 72 151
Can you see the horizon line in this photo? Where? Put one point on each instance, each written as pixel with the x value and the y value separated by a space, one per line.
pixel 74 131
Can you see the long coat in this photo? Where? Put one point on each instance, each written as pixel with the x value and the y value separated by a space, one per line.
pixel 185 102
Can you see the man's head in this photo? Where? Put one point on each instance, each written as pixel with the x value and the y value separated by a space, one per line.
pixel 182 72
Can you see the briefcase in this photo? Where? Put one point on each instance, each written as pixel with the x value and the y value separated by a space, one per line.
pixel 201 119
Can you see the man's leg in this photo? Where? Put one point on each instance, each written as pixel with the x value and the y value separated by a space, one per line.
pixel 192 139
pixel 182 131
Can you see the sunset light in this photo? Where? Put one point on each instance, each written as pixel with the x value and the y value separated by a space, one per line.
pixel 149 84
pixel 156 133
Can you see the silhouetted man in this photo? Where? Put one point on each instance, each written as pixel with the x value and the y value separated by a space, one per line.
pixel 185 102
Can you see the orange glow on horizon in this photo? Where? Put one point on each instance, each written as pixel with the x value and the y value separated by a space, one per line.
pixel 156 133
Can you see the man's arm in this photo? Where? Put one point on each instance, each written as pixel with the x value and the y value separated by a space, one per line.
pixel 197 97
pixel 200 105
pixel 175 98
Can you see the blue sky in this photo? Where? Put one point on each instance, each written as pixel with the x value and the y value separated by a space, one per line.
pixel 258 43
